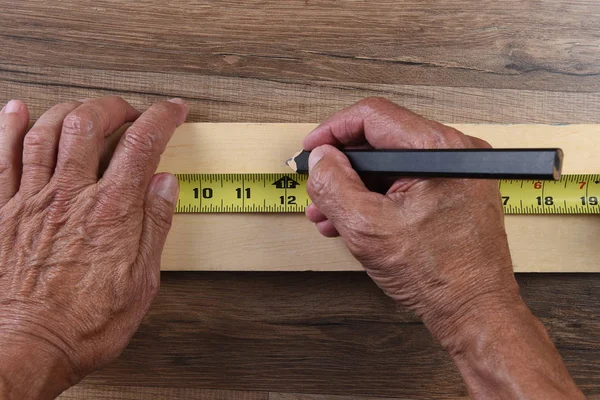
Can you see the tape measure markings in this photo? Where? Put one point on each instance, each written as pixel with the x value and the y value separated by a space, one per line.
pixel 284 193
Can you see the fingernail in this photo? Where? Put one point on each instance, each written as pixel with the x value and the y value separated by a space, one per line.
pixel 314 157
pixel 177 101
pixel 168 188
pixel 12 106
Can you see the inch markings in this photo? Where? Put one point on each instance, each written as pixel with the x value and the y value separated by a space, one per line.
pixel 286 193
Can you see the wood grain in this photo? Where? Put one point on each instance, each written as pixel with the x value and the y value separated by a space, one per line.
pixel 305 396
pixel 270 242
pixel 516 44
pixel 515 61
pixel 215 98
pixel 101 392
pixel 325 333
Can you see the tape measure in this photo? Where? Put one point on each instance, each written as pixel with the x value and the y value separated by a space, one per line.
pixel 284 193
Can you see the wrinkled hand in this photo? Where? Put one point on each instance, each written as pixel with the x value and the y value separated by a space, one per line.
pixel 437 246
pixel 80 250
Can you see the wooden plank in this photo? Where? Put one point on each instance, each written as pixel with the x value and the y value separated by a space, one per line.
pixel 234 242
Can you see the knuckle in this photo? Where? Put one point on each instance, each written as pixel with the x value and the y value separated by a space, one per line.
pixel 374 104
pixel 457 139
pixel 318 183
pixel 80 122
pixel 117 206
pixel 141 139
pixel 35 139
pixel 447 137
pixel 57 211
pixel 36 149
pixel 107 204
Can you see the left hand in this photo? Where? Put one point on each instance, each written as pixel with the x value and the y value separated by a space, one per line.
pixel 80 248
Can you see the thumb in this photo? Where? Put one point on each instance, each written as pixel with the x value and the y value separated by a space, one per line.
pixel 159 208
pixel 334 186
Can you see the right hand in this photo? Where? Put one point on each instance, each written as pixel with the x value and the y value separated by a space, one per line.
pixel 437 246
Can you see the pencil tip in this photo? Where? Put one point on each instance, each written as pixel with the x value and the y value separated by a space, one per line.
pixel 291 162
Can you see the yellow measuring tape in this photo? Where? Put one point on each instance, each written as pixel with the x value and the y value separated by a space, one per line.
pixel 276 193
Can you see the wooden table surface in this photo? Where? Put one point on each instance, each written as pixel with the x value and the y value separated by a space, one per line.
pixel 288 336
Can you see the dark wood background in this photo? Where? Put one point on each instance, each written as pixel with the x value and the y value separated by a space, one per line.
pixel 292 336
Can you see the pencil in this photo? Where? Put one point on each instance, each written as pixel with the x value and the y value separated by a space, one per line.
pixel 542 164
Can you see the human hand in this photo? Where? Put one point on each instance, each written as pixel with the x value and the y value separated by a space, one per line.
pixel 437 246
pixel 80 249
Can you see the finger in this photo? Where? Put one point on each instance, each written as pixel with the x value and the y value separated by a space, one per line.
pixel 40 148
pixel 110 144
pixel 137 155
pixel 384 125
pixel 159 207
pixel 14 118
pixel 313 214
pixel 82 138
pixel 324 226
pixel 327 229
pixel 335 188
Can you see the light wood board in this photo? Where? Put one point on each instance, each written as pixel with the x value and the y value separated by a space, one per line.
pixel 288 242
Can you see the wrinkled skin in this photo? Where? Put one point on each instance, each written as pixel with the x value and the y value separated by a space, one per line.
pixel 80 245
pixel 79 250
pixel 437 247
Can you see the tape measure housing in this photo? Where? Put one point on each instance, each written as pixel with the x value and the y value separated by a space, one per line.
pixel 284 193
